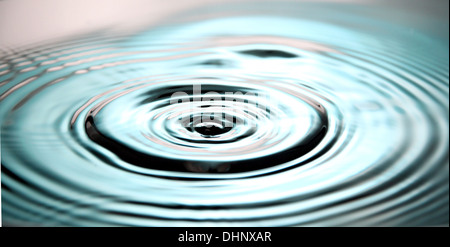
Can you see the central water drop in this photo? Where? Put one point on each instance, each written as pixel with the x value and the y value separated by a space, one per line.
pixel 211 129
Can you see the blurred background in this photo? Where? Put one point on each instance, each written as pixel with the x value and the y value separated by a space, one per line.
pixel 26 22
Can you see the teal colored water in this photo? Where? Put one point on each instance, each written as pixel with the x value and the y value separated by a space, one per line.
pixel 321 116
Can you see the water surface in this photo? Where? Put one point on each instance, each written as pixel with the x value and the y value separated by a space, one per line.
pixel 330 115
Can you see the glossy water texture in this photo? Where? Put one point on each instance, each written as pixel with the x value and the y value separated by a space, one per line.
pixel 342 120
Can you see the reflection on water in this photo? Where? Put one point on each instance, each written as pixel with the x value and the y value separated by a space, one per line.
pixel 246 118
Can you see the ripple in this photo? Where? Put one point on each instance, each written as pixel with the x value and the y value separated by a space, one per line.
pixel 232 121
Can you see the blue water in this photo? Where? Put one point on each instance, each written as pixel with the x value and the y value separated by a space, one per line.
pixel 332 119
